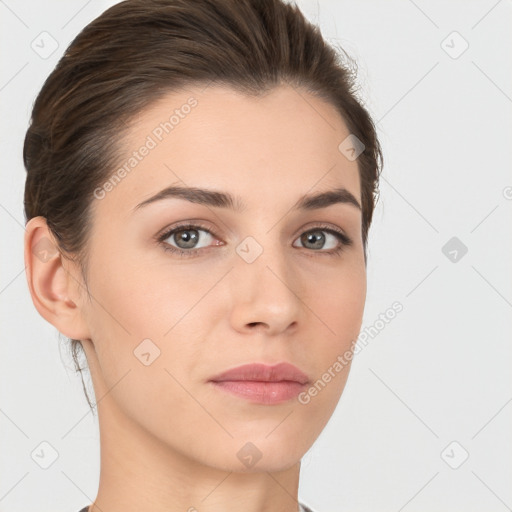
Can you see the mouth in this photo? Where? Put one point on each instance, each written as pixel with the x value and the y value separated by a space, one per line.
pixel 261 383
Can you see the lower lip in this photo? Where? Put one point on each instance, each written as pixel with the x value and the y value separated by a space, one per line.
pixel 261 392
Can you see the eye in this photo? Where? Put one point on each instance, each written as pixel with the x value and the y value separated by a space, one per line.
pixel 187 239
pixel 317 238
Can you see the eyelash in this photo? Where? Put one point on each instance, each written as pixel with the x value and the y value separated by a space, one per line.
pixel 344 240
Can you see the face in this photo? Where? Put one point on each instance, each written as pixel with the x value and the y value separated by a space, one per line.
pixel 187 286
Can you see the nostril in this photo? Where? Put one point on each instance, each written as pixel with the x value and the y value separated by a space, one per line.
pixel 255 323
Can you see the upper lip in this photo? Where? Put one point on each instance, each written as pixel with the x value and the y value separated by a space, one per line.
pixel 263 373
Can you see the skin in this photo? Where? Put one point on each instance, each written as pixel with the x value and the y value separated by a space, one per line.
pixel 169 440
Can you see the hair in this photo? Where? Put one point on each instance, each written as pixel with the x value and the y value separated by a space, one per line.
pixel 140 50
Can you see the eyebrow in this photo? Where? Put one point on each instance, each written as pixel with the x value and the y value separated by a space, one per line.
pixel 218 199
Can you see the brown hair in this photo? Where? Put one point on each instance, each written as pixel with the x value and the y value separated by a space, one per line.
pixel 139 50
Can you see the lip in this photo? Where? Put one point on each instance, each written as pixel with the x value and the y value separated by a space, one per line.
pixel 261 383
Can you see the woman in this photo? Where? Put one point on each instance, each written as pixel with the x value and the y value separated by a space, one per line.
pixel 201 181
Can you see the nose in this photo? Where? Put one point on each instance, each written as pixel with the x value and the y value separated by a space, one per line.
pixel 266 295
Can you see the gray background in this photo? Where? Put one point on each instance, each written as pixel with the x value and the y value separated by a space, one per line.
pixel 430 387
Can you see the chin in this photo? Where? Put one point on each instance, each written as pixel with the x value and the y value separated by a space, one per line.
pixel 261 453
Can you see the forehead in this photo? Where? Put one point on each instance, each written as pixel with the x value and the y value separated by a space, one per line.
pixel 275 147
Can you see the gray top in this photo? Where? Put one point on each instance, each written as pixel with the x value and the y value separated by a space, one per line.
pixel 302 508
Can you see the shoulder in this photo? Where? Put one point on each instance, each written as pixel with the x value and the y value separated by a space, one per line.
pixel 302 508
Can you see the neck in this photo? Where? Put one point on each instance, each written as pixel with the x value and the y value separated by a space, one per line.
pixel 139 472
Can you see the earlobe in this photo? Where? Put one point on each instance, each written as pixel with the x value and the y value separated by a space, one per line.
pixel 53 289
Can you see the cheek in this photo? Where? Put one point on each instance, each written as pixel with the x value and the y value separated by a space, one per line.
pixel 145 310
pixel 338 300
pixel 144 327
pixel 138 299
pixel 339 304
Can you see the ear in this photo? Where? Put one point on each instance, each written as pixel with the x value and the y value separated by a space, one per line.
pixel 55 284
